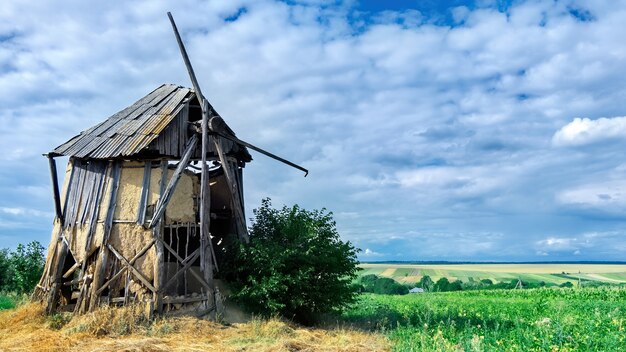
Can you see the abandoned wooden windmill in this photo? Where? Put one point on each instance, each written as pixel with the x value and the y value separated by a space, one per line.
pixel 131 226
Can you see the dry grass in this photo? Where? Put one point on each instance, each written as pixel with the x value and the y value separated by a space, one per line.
pixel 109 329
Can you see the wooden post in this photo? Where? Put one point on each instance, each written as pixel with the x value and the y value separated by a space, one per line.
pixel 206 257
pixel 159 274
pixel 55 187
pixel 57 276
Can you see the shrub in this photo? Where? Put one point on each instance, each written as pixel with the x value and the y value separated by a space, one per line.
pixel 21 269
pixel 295 264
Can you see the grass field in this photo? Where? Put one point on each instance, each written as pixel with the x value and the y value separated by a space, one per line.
pixel 547 319
pixel 25 328
pixel 549 273
pixel 590 319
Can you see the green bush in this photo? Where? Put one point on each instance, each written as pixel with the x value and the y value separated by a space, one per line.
pixel 21 269
pixel 295 264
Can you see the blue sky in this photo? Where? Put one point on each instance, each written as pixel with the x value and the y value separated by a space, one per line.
pixel 459 130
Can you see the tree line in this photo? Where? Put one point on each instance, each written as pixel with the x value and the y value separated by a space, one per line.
pixel 383 285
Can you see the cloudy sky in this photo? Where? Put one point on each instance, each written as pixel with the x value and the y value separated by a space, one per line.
pixel 434 130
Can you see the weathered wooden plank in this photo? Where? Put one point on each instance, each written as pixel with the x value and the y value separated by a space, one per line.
pixel 103 257
pixel 179 300
pixel 145 191
pixel 115 179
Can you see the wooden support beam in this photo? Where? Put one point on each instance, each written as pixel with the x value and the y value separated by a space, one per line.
pixel 71 270
pixel 55 187
pixel 171 186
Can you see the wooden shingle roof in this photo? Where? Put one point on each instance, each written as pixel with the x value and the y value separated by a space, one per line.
pixel 131 130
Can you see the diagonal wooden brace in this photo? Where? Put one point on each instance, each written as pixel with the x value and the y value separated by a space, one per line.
pixel 188 262
pixel 182 261
pixel 132 269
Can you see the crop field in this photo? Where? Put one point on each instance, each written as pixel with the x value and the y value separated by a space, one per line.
pixel 549 273
pixel 546 319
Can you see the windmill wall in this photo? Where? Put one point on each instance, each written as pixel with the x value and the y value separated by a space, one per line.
pixel 107 207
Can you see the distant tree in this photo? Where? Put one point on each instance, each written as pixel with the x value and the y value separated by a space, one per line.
pixel 486 282
pixel 567 284
pixel 295 264
pixel 369 279
pixel 4 269
pixel 426 283
pixel 383 285
pixel 442 285
pixel 456 285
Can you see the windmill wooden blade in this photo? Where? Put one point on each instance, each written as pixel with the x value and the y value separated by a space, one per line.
pixel 234 191
pixel 264 152
pixel 205 195
pixel 183 52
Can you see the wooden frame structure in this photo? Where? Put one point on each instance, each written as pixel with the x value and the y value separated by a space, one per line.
pixel 149 196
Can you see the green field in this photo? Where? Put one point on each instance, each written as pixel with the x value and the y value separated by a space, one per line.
pixel 534 273
pixel 547 319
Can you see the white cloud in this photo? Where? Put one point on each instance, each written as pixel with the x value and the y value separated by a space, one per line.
pixel 558 244
pixel 416 128
pixel 370 253
pixel 24 212
pixel 583 131
pixel 608 195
